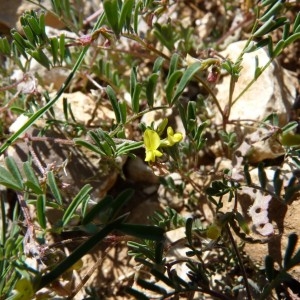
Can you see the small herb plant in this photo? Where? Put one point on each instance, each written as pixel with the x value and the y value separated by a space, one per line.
pixel 110 57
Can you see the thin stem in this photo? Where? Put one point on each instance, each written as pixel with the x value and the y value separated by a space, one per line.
pixel 234 78
pixel 237 253
pixel 135 117
pixel 29 241
pixel 252 81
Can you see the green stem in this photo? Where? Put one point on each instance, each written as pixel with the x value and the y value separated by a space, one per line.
pixel 45 108
pixel 251 82
pixel 138 115
pixel 234 78
pixel 237 253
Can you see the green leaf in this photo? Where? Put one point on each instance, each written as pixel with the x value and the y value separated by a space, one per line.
pixel 157 64
pixel 242 222
pixel 32 181
pixel 265 28
pixel 8 180
pixel 295 260
pixel 100 207
pixel 42 25
pixel 191 110
pixel 112 15
pixel 114 102
pixel 200 130
pixel 296 22
pixel 89 146
pixel 14 170
pixel 150 88
pixel 290 192
pixel 79 198
pixel 136 294
pixel 100 136
pixel 286 31
pixel 277 182
pixel 54 49
pixel 269 265
pixel 278 48
pixel 172 80
pixel 159 276
pixel 133 80
pixel 292 39
pixel 18 38
pixel 147 232
pixel 40 57
pixel 173 65
pixel 268 2
pixel 151 286
pixel 138 250
pixel 20 43
pixel 56 4
pixel 159 252
pixel 5 47
pixel 119 202
pixel 41 210
pixel 272 119
pixel 123 111
pixel 65 108
pixel 136 98
pixel 188 230
pixel 186 77
pixel 62 49
pixel 255 46
pixel 30 36
pixel 289 127
pixel 165 34
pixel 272 11
pixel 262 176
pixel 125 148
pixel 34 25
pixel 126 13
pixel 290 248
pixel 53 187
pixel 32 187
pixel 106 148
pixel 138 6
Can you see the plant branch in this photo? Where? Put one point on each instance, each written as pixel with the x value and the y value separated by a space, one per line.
pixel 239 260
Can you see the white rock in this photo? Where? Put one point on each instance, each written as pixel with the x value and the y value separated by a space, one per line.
pixel 274 91
pixel 138 171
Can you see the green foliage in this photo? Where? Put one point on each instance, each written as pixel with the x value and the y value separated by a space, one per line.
pixel 154 73
pixel 281 276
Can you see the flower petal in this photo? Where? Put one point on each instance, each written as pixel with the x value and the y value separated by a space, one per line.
pixel 173 138
pixel 151 139
pixel 151 154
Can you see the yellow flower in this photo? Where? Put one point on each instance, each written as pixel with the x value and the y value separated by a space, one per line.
pixel 173 138
pixel 152 142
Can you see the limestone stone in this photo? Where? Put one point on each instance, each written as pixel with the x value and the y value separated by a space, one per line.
pixel 274 91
